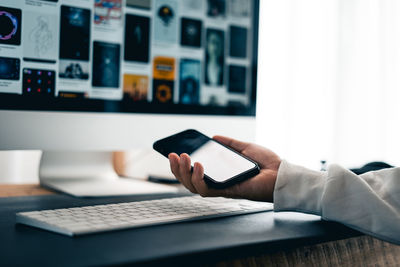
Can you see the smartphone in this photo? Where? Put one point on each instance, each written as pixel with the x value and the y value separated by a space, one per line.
pixel 223 166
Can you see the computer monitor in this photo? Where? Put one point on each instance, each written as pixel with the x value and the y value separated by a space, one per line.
pixel 106 75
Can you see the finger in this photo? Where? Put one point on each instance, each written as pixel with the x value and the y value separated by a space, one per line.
pixel 185 170
pixel 174 165
pixel 233 143
pixel 198 180
pixel 200 185
pixel 184 166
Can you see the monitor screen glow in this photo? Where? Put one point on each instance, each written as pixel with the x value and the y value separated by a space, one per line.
pixel 148 56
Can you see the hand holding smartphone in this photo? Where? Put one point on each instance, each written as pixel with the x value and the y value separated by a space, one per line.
pixel 223 166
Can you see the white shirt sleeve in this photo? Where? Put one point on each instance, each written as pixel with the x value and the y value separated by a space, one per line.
pixel 369 203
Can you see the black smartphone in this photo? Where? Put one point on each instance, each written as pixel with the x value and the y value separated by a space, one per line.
pixel 223 166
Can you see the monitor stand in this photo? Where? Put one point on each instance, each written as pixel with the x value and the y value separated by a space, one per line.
pixel 91 174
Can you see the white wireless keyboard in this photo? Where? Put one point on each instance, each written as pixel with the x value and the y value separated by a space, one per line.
pixel 101 218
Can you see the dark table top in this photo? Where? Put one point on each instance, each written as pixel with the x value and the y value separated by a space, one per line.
pixel 187 242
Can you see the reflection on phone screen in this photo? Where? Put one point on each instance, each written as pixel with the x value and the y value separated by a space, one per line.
pixel 220 163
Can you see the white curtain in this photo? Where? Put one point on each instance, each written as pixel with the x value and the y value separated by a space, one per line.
pixel 329 80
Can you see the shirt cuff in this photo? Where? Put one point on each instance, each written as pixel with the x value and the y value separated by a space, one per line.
pixel 298 189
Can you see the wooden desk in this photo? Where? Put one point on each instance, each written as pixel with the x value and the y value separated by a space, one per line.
pixel 357 251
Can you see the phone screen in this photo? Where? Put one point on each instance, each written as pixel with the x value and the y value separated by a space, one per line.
pixel 219 162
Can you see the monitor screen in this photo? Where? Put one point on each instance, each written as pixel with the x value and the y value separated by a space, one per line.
pixel 142 56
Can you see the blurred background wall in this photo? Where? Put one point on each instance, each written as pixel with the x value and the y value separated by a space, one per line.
pixel 19 166
pixel 329 85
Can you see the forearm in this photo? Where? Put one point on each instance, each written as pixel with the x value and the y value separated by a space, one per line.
pixel 369 203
